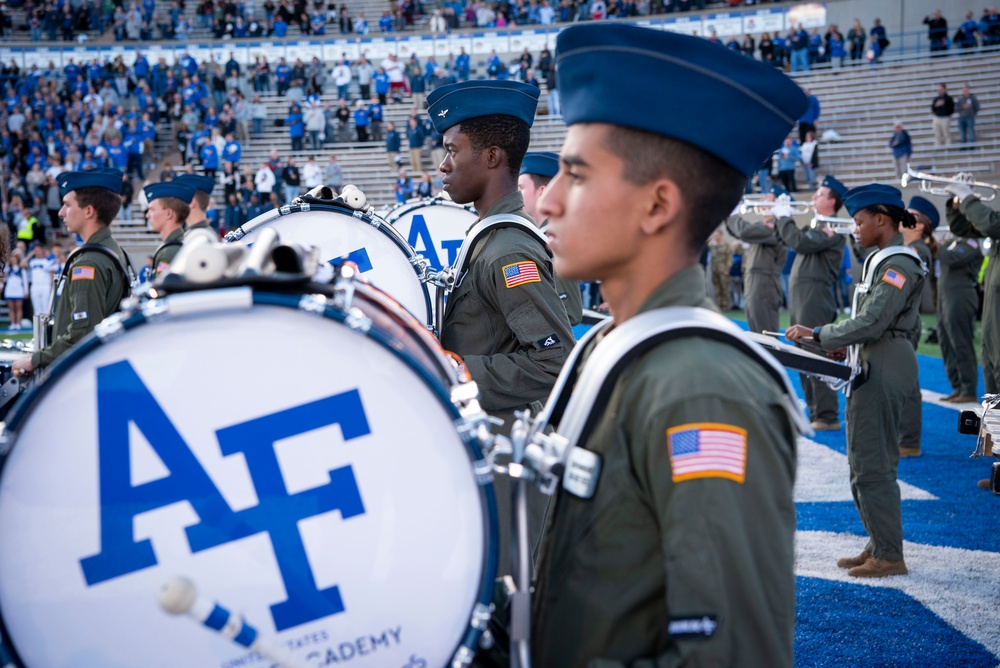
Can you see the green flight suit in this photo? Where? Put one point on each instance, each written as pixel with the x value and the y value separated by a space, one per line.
pixel 763 263
pixel 912 420
pixel 883 324
pixel 513 340
pixel 721 261
pixel 976 219
pixel 958 304
pixel 203 225
pixel 91 292
pixel 617 570
pixel 164 255
pixel 811 302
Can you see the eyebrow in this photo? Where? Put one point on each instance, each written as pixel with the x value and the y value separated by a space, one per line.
pixel 573 161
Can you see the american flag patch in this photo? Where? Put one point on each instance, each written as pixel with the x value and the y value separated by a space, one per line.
pixel 82 274
pixel 162 266
pixel 894 279
pixel 520 273
pixel 707 450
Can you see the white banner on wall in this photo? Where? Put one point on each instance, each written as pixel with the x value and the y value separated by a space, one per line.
pixel 723 25
pixel 809 15
pixel 764 20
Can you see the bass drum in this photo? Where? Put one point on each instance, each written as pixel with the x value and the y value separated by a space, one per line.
pixel 433 227
pixel 381 253
pixel 336 497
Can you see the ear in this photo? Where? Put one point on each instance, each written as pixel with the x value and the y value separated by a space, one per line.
pixel 495 156
pixel 663 207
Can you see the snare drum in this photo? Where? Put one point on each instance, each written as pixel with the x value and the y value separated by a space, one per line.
pixel 381 253
pixel 434 227
pixel 336 496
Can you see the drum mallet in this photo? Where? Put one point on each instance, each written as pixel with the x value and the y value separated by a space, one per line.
pixel 179 596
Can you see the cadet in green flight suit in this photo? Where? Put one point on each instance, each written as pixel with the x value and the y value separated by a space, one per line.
pixel 958 305
pixel 882 325
pixel 504 318
pixel 968 216
pixel 818 256
pixel 921 239
pixel 95 284
pixel 537 170
pixel 684 556
pixel 763 263
pixel 201 202
pixel 167 211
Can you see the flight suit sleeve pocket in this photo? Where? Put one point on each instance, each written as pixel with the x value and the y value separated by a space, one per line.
pixel 536 333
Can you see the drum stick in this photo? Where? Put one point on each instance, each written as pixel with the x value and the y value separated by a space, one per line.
pixel 179 596
pixel 781 335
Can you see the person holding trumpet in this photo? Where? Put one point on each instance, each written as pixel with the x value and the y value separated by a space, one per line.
pixel 967 217
pixel 764 259
pixel 818 254
pixel 887 309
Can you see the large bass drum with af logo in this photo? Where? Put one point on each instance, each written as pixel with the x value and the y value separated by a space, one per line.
pixel 434 227
pixel 337 497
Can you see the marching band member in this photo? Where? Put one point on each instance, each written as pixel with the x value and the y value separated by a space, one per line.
pixel 958 306
pixel 684 556
pixel 505 318
pixel 969 217
pixel 95 284
pixel 763 262
pixel 818 255
pixel 537 170
pixel 201 201
pixel 168 210
pixel 882 325
pixel 921 239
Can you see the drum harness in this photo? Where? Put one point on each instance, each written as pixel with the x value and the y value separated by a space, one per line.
pixel 577 402
pixel 871 265
pixel 451 277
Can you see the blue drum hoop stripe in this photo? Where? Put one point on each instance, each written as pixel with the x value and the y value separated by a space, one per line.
pixel 246 636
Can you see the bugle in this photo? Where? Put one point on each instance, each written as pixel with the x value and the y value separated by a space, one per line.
pixel 932 184
pixel 761 207
pixel 837 225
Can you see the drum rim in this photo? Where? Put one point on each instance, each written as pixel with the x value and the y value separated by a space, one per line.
pixel 371 219
pixel 403 208
pixel 24 407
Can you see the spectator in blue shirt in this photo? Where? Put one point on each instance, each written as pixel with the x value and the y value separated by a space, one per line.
pixel 462 65
pixel 799 44
pixel 381 85
pixel 361 121
pixel 788 157
pixel 403 187
pixel 282 76
pixel 296 127
pixel 902 148
pixel 385 23
pixel 232 151
pixel 393 144
pixel 209 156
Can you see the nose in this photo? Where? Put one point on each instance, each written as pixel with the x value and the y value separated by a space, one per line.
pixel 550 204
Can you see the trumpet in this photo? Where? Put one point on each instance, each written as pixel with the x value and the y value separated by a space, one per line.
pixel 927 184
pixel 762 207
pixel 837 225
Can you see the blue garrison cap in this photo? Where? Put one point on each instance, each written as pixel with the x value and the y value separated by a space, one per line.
pixel 182 191
pixel 686 88
pixel 924 206
pixel 861 197
pixel 543 163
pixel 110 179
pixel 777 190
pixel 206 184
pixel 450 105
pixel 834 184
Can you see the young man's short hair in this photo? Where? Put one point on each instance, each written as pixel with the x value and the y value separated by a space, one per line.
pixel 106 203
pixel 180 208
pixel 508 133
pixel 711 187
pixel 202 198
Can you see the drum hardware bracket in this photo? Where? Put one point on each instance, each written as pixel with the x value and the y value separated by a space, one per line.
pixel 7 438
pixel 110 329
pixel 357 320
pixel 481 616
pixel 314 304
pixel 463 657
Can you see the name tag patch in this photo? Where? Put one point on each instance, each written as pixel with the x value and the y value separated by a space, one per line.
pixel 707 450
pixel 82 274
pixel 520 273
pixel 701 626
pixel 80 315
pixel 894 278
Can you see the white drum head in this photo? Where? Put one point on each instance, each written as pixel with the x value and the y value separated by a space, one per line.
pixel 338 234
pixel 332 472
pixel 434 228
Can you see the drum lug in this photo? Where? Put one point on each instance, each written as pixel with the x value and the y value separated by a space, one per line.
pixel 481 616
pixel 235 235
pixel 357 320
pixel 315 304
pixel 110 328
pixel 7 438
pixel 463 657
pixel 483 471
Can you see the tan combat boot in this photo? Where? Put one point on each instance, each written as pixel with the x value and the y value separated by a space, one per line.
pixel 878 568
pixel 851 562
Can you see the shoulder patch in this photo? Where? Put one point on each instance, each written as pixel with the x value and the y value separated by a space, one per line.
pixel 894 278
pixel 82 274
pixel 707 450
pixel 547 342
pixel 162 266
pixel 80 315
pixel 520 273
